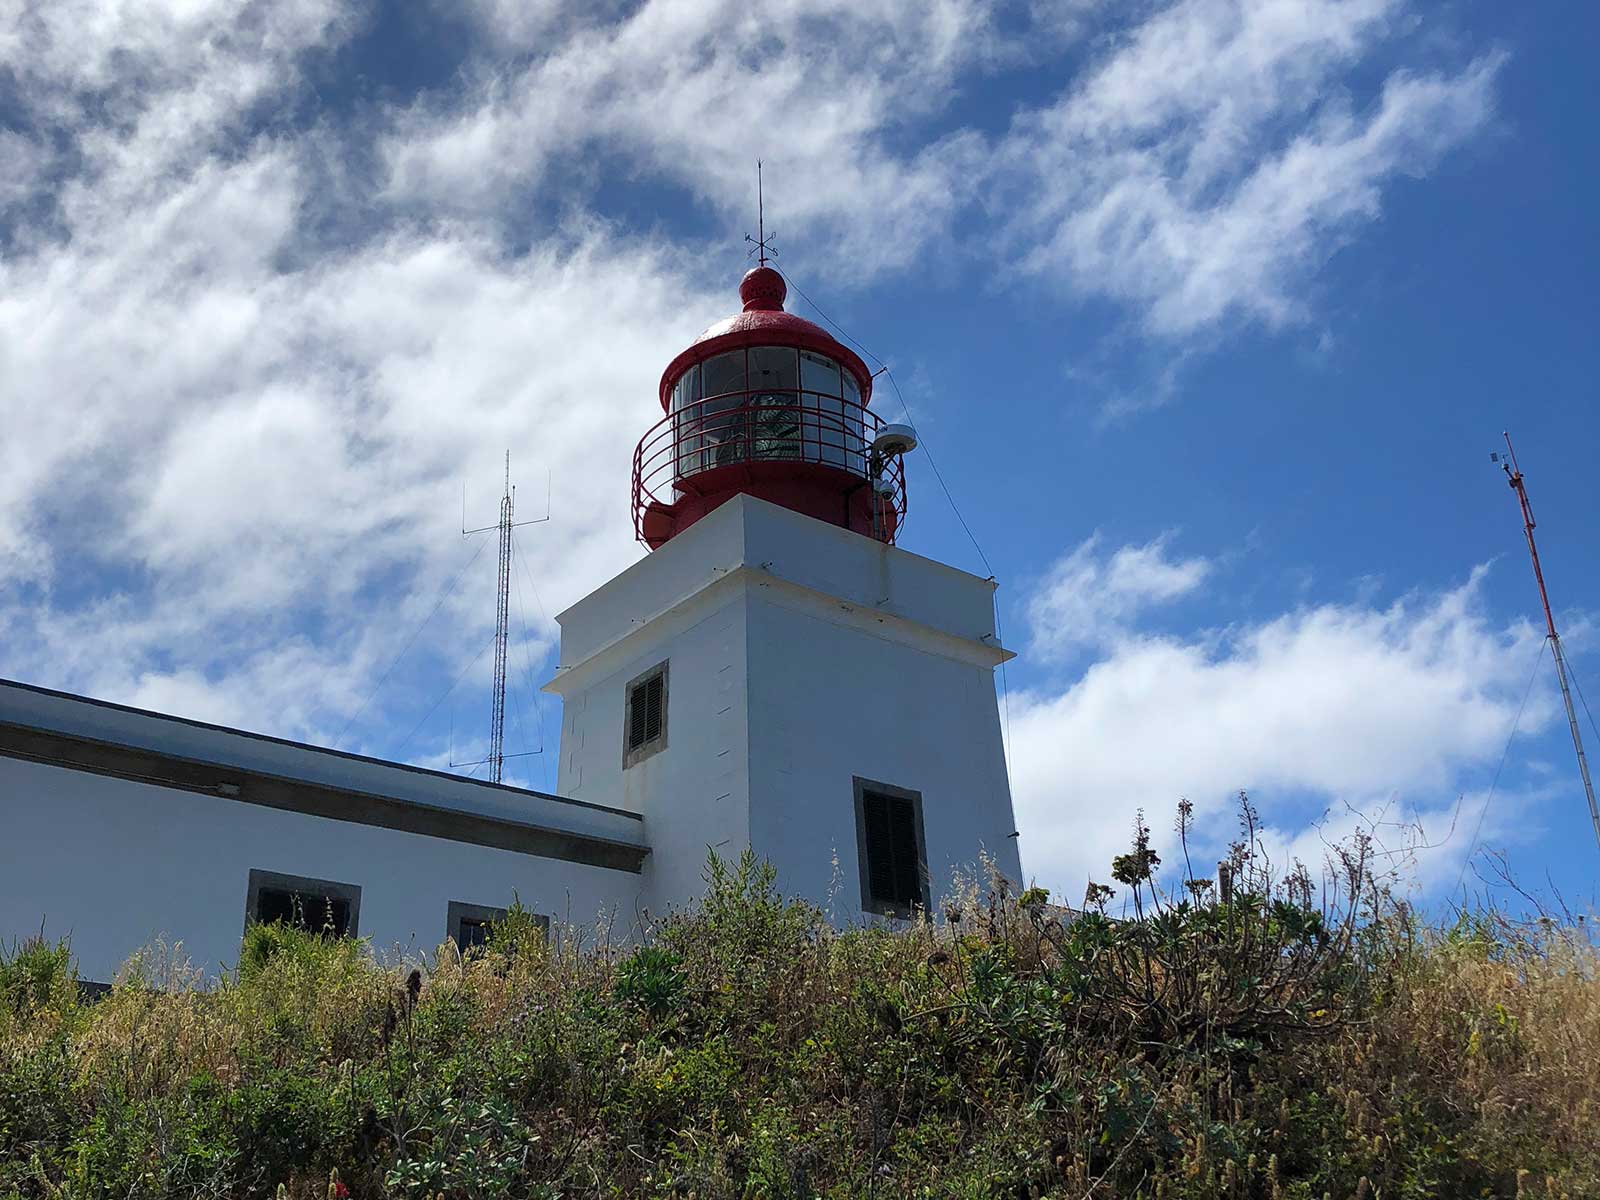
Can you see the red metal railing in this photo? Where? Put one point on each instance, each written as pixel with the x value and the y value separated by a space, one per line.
pixel 758 429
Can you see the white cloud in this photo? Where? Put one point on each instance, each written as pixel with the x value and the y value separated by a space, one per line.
pixel 140 91
pixel 1201 164
pixel 1088 600
pixel 694 94
pixel 1211 160
pixel 283 448
pixel 230 484
pixel 1334 705
pixel 26 162
pixel 235 442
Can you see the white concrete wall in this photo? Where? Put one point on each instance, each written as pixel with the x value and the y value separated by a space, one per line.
pixel 750 533
pixel 694 793
pixel 862 572
pixel 802 656
pixel 830 703
pixel 113 863
pixel 651 587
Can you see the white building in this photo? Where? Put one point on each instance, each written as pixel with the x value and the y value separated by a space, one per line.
pixel 775 674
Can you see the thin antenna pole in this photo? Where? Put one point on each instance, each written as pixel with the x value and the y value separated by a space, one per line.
pixel 1514 474
pixel 762 247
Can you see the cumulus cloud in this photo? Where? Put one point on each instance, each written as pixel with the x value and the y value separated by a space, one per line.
pixel 293 448
pixel 1088 599
pixel 695 94
pixel 231 481
pixel 253 340
pixel 1200 164
pixel 1211 159
pixel 1344 707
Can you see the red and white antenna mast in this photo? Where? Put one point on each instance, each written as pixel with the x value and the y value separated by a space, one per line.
pixel 502 623
pixel 1514 474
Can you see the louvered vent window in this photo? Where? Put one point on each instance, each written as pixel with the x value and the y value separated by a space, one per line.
pixel 646 717
pixel 893 862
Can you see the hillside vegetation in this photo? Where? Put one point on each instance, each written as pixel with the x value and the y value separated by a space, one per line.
pixel 1243 1036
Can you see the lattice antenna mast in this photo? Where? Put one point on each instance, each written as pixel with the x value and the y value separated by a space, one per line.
pixel 1514 474
pixel 502 619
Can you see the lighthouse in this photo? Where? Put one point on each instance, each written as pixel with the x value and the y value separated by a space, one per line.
pixel 777 674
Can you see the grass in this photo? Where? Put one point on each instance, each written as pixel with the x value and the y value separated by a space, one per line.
pixel 1239 1037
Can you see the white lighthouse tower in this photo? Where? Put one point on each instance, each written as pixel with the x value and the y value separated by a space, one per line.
pixel 777 674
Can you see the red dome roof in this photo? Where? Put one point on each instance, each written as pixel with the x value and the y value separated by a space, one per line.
pixel 762 318
pixel 764 323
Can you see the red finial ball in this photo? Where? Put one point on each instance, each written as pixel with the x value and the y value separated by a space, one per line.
pixel 763 289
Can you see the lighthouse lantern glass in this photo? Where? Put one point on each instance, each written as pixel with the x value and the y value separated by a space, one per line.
pixel 819 375
pixel 685 393
pixel 855 460
pixel 774 368
pixel 719 426
pixel 774 402
pixel 767 403
pixel 723 373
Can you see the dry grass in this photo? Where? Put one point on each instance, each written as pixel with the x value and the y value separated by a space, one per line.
pixel 750 1050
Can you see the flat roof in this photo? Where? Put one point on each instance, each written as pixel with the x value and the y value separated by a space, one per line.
pixel 235 765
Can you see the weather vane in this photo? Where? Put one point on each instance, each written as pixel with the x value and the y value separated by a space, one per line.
pixel 761 244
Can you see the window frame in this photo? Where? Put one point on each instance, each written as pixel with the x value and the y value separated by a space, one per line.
pixel 869 902
pixel 281 881
pixel 809 385
pixel 774 351
pixel 743 355
pixel 632 754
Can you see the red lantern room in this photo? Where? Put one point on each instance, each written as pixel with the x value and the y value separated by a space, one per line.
pixel 768 404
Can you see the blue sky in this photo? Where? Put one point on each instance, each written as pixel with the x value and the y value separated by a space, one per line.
pixel 1209 312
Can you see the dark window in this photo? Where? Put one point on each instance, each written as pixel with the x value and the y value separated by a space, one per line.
pixel 473 931
pixel 469 925
pixel 894 867
pixel 307 910
pixel 316 905
pixel 646 716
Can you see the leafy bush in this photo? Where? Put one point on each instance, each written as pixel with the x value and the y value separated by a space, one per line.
pixel 35 974
pixel 1248 1035
pixel 650 977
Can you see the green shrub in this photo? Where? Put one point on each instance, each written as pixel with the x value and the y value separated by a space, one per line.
pixel 278 944
pixel 1240 1037
pixel 650 977
pixel 519 932
pixel 36 974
